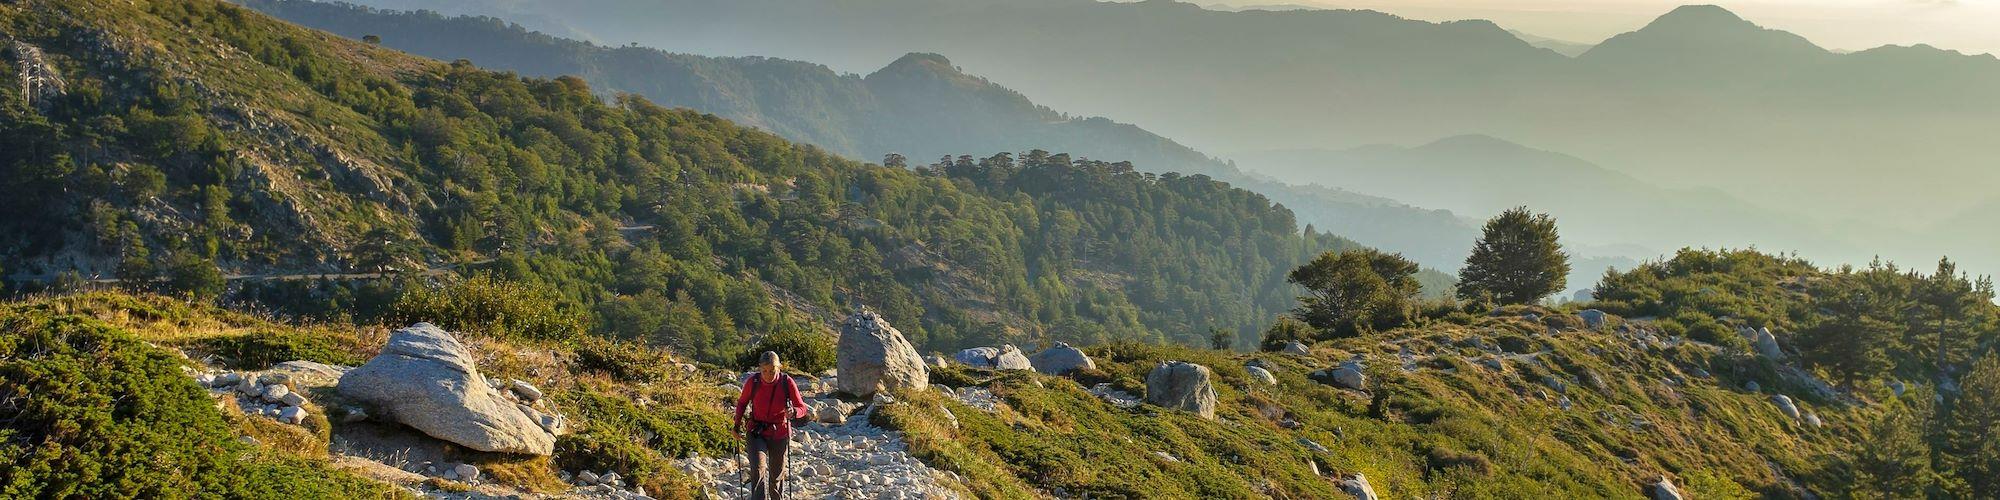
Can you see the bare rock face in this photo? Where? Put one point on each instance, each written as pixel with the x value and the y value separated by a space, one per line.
pixel 873 356
pixel 424 378
pixel 1061 359
pixel 1182 385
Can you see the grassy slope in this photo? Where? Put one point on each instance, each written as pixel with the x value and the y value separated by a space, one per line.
pixel 596 384
pixel 1451 427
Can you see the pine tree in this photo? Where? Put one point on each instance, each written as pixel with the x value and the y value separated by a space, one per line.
pixel 1972 436
pixel 1893 458
pixel 1518 260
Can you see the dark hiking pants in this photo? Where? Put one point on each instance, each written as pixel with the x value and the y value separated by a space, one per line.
pixel 767 466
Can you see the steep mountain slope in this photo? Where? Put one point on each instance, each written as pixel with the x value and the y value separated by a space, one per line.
pixel 1700 99
pixel 920 106
pixel 1482 174
pixel 194 135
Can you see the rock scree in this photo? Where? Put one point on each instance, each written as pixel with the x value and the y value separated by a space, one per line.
pixel 424 378
pixel 873 356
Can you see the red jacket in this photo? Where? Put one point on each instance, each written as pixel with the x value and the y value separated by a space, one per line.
pixel 771 403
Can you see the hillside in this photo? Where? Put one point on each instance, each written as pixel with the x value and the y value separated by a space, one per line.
pixel 235 153
pixel 1701 98
pixel 921 106
pixel 1515 402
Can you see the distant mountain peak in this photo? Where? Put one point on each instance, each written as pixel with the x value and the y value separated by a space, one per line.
pixel 1700 15
pixel 1704 35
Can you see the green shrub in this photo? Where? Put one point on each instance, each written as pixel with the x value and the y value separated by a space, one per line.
pixel 801 349
pixel 260 349
pixel 486 305
pixel 96 413
pixel 1704 328
pixel 613 434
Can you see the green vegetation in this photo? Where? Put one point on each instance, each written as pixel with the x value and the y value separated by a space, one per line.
pixel 1517 261
pixel 98 413
pixel 1355 292
pixel 622 219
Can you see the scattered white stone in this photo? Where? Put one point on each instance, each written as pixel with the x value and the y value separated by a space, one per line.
pixel 526 391
pixel 292 415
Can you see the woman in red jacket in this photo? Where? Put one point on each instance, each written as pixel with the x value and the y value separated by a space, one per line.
pixel 776 402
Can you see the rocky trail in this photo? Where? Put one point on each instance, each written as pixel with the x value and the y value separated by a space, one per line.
pixel 854 460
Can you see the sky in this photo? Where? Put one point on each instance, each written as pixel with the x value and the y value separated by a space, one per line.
pixel 1971 26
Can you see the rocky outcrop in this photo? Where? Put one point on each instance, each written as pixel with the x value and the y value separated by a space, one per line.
pixel 1182 385
pixel 1358 486
pixel 424 378
pixel 874 357
pixel 41 85
pixel 1061 359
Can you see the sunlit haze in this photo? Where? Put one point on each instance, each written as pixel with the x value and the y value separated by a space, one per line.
pixel 1971 26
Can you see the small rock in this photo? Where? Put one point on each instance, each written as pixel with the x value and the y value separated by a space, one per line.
pixel 1752 386
pixel 1786 405
pixel 206 380
pixel 1313 445
pixel 1664 490
pixel 354 414
pixel 526 391
pixel 1896 387
pixel 1592 318
pixel 467 472
pixel 1261 375
pixel 292 415
pixel 1296 349
pixel 1812 419
pixel 276 392
pixel 292 399
pixel 587 478
pixel 226 380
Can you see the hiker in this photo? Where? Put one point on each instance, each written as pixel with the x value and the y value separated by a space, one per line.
pixel 777 402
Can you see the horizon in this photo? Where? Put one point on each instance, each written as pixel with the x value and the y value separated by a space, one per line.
pixel 1845 26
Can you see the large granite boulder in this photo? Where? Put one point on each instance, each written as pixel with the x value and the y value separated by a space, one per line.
pixel 873 357
pixel 1010 358
pixel 1182 385
pixel 1061 359
pixel 424 378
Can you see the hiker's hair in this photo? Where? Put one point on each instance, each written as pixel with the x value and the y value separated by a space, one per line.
pixel 768 358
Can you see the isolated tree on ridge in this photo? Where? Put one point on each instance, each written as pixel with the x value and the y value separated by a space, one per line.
pixel 1517 261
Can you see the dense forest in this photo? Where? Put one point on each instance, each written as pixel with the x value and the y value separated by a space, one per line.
pixel 921 106
pixel 649 223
